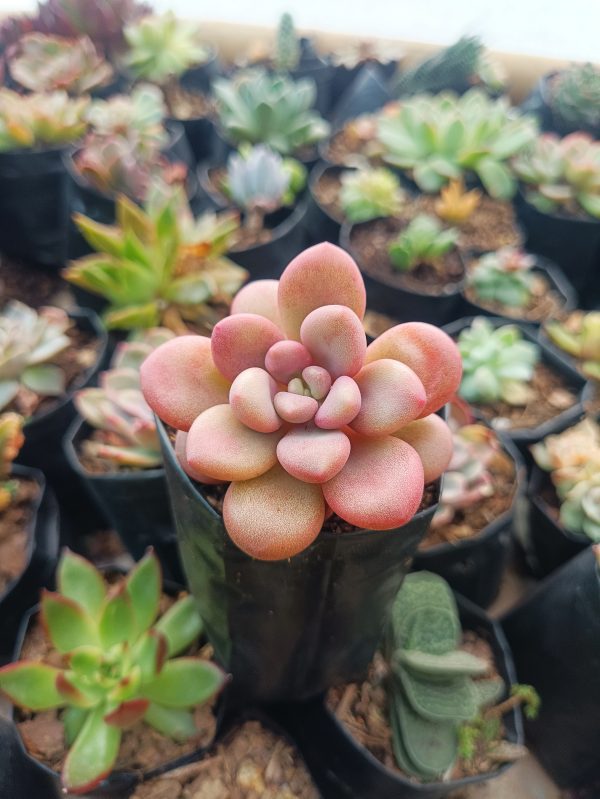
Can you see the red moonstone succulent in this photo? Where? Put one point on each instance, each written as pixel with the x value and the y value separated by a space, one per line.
pixel 288 404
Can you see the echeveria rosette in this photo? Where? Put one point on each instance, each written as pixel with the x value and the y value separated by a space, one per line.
pixel 288 404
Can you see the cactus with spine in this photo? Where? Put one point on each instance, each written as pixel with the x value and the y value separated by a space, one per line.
pixel 423 241
pixel 119 664
pixel 435 686
pixel 258 108
pixel 579 336
pixel 11 441
pixel 498 363
pixel 287 45
pixel 504 276
pixel 126 433
pixel 368 192
pixel 36 121
pixel 451 68
pixel 575 98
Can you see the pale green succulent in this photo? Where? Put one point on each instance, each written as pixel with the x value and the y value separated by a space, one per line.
pixel 423 241
pixel 34 121
pixel 575 97
pixel 287 45
pixel 138 117
pixel 504 276
pixel 370 192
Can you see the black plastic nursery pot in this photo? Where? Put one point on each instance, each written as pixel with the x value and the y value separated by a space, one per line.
pixel 200 135
pixel 555 638
pixel 349 86
pixel 526 436
pixel 573 243
pixel 41 556
pixel 402 303
pixel 135 502
pixel 199 78
pixel 548 544
pixel 344 769
pixel 557 283
pixel 539 103
pixel 34 206
pixel 288 629
pixel 320 224
pixel 44 432
pixel 474 567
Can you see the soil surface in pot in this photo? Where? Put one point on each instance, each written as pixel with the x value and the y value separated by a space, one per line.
pixel 592 402
pixel 14 527
pixel 251 763
pixel 185 105
pixel 363 709
pixel 327 193
pixel 33 286
pixel 552 394
pixel 371 242
pixel 492 225
pixel 142 747
pixel 75 361
pixel 469 522
pixel 351 143
pixel 544 303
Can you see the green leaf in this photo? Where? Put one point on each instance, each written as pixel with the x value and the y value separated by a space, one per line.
pixel 421 590
pixel 443 666
pixel 185 682
pixel 118 620
pixel 189 290
pixel 92 757
pixel 144 587
pixel 150 654
pixel 590 203
pixel 79 580
pixel 488 692
pixel 68 624
pixel 177 724
pixel 127 713
pixel 132 317
pixel 434 630
pixel 181 625
pixel 102 238
pixel 497 179
pixel 31 685
pixel 432 746
pixel 44 379
pixel 452 700
pixel 73 719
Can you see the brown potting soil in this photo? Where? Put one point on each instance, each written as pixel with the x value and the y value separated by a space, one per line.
pixel 492 225
pixel 371 242
pixel 346 147
pixel 469 522
pixel 75 361
pixel 544 303
pixel 33 286
pixel 142 747
pixel 363 709
pixel 250 763
pixel 184 104
pixel 376 323
pixel 552 395
pixel 14 531
pixel 327 193
pixel 592 403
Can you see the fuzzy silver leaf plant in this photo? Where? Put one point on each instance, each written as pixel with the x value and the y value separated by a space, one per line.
pixel 120 664
pixel 435 686
pixel 287 404
pixel 127 435
pixel 29 340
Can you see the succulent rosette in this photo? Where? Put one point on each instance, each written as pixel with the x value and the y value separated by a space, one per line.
pixel 288 404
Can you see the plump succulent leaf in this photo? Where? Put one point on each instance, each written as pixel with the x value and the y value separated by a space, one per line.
pixel 174 722
pixel 184 682
pixel 40 120
pixel 181 624
pixel 423 241
pixel 93 754
pixel 68 624
pixel 31 685
pixel 430 746
pixel 144 587
pixel 77 579
pixel 367 193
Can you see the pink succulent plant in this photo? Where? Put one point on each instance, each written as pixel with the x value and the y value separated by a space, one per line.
pixel 288 404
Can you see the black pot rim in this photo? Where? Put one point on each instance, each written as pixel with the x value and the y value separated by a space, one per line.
pixel 563 419
pixel 316 174
pixel 199 496
pixel 588 220
pixel 345 242
pixel 426 788
pixel 78 315
pixel 537 477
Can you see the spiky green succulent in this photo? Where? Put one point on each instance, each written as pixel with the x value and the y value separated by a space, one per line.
pixel 126 428
pixel 287 45
pixel 443 137
pixel 452 67
pixel 120 665
pixel 11 441
pixel 561 175
pixel 504 276
pixel 35 121
pixel 258 108
pixel 157 266
pixel 579 336
pixel 29 340
pixel 575 98
pixel 435 686
pixel 423 241
pixel 498 363
pixel 369 192
pixel 163 47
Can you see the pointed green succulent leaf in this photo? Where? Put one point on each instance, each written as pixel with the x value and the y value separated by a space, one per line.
pixel 150 653
pixel 73 720
pixel 69 626
pixel 68 686
pixel 102 238
pixel 132 316
pixel 175 723
pixel 92 756
pixel 44 379
pixel 144 587
pixel 118 619
pixel 185 682
pixel 181 625
pixel 79 580
pixel 127 713
pixel 31 685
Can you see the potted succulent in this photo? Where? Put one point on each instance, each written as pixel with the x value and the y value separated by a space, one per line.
pixel 176 275
pixel 266 189
pixel 101 663
pixel 281 403
pixel 517 285
pixel 564 496
pixel 578 338
pixel 339 195
pixel 114 449
pixel 170 53
pixel 45 356
pixel 255 107
pixel 34 201
pixel 468 542
pixel 427 720
pixel 413 269
pixel 518 385
pixel 560 204
pixel 28 532
pixel 567 101
pixel 555 637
